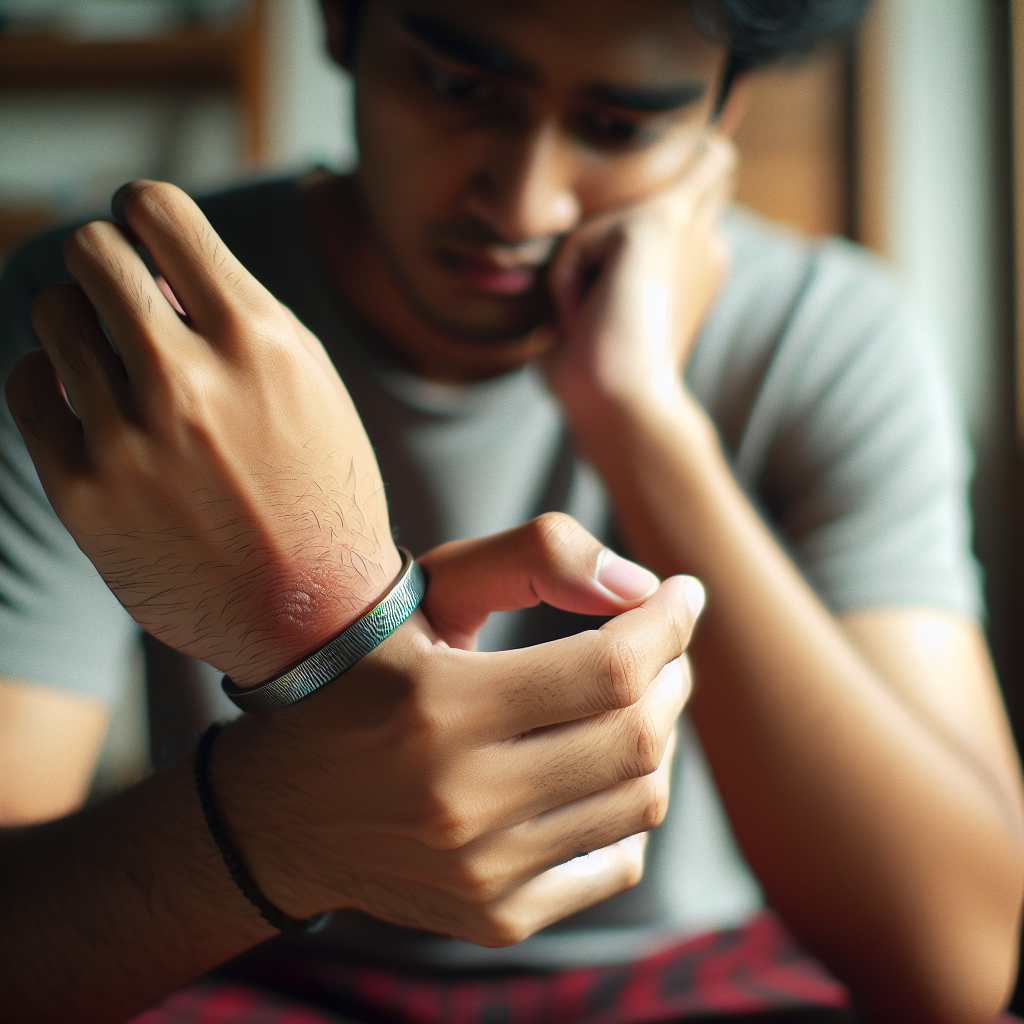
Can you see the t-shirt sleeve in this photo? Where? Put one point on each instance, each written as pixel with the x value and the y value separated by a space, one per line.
pixel 848 438
pixel 59 624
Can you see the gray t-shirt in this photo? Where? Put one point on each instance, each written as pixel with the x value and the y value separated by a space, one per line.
pixel 828 404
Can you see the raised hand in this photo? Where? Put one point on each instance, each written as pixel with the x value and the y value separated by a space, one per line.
pixel 216 473
pixel 633 286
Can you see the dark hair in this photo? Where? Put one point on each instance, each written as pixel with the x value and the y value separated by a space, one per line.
pixel 760 32
pixel 757 32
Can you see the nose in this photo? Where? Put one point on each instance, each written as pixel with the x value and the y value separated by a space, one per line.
pixel 523 187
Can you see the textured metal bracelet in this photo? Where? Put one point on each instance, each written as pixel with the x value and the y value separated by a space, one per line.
pixel 232 859
pixel 341 653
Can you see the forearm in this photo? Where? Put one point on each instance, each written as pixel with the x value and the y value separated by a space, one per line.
pixel 891 848
pixel 108 910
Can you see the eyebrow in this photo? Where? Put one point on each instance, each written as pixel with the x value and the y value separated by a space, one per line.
pixel 465 48
pixel 652 98
pixel 486 55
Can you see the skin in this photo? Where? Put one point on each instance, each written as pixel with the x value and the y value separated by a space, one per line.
pixel 433 786
pixel 49 742
pixel 865 761
pixel 821 732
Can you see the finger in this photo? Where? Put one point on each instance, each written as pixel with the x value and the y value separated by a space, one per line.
pixel 553 767
pixel 551 559
pixel 714 200
pixel 579 260
pixel 52 433
pixel 503 860
pixel 549 897
pixel 513 692
pixel 558 893
pixel 93 376
pixel 208 281
pixel 715 162
pixel 127 299
pixel 595 821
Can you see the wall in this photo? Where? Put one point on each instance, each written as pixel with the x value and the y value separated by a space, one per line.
pixel 934 200
pixel 67 151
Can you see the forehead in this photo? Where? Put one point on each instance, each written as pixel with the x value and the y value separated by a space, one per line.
pixel 610 40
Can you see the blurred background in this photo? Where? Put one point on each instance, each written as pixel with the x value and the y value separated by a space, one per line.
pixel 908 140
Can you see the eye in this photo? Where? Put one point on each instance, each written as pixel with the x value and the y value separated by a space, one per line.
pixel 461 88
pixel 605 129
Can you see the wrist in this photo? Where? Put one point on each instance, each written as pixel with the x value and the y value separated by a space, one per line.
pixel 252 773
pixel 300 615
pixel 283 782
pixel 611 428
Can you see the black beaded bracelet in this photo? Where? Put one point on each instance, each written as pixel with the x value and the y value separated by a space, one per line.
pixel 236 867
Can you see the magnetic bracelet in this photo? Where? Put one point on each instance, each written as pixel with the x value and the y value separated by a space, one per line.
pixel 341 653
pixel 232 859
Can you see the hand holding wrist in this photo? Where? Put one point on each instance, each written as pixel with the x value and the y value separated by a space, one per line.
pixel 378 791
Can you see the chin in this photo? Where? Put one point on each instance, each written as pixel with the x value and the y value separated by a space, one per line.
pixel 487 321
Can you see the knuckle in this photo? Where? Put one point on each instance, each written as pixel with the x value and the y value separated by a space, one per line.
pixel 265 328
pixel 622 682
pixel 551 534
pixel 83 243
pixel 648 746
pixel 634 871
pixel 477 880
pixel 150 197
pixel 495 928
pixel 242 321
pixel 185 390
pixel 655 804
pixel 446 826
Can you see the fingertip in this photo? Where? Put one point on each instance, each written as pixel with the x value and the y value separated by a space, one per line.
pixel 696 596
pixel 689 590
pixel 119 201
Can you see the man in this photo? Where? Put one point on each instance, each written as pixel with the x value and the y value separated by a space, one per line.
pixel 519 199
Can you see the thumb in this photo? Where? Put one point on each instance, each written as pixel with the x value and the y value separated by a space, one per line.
pixel 552 559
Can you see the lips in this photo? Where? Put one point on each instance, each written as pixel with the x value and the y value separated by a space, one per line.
pixel 486 275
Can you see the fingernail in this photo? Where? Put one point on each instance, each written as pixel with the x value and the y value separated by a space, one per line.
pixel 695 596
pixel 624 578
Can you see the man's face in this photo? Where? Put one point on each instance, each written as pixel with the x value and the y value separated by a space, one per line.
pixel 489 130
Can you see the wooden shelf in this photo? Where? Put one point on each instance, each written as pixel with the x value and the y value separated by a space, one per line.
pixel 193 59
pixel 227 58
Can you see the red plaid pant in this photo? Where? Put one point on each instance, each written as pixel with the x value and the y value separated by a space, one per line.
pixel 756 973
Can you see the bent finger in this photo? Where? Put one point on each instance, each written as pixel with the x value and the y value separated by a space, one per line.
pixel 552 559
pixel 52 432
pixel 550 768
pixel 579 260
pixel 124 294
pixel 505 859
pixel 558 893
pixel 204 275
pixel 593 672
pixel 93 376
